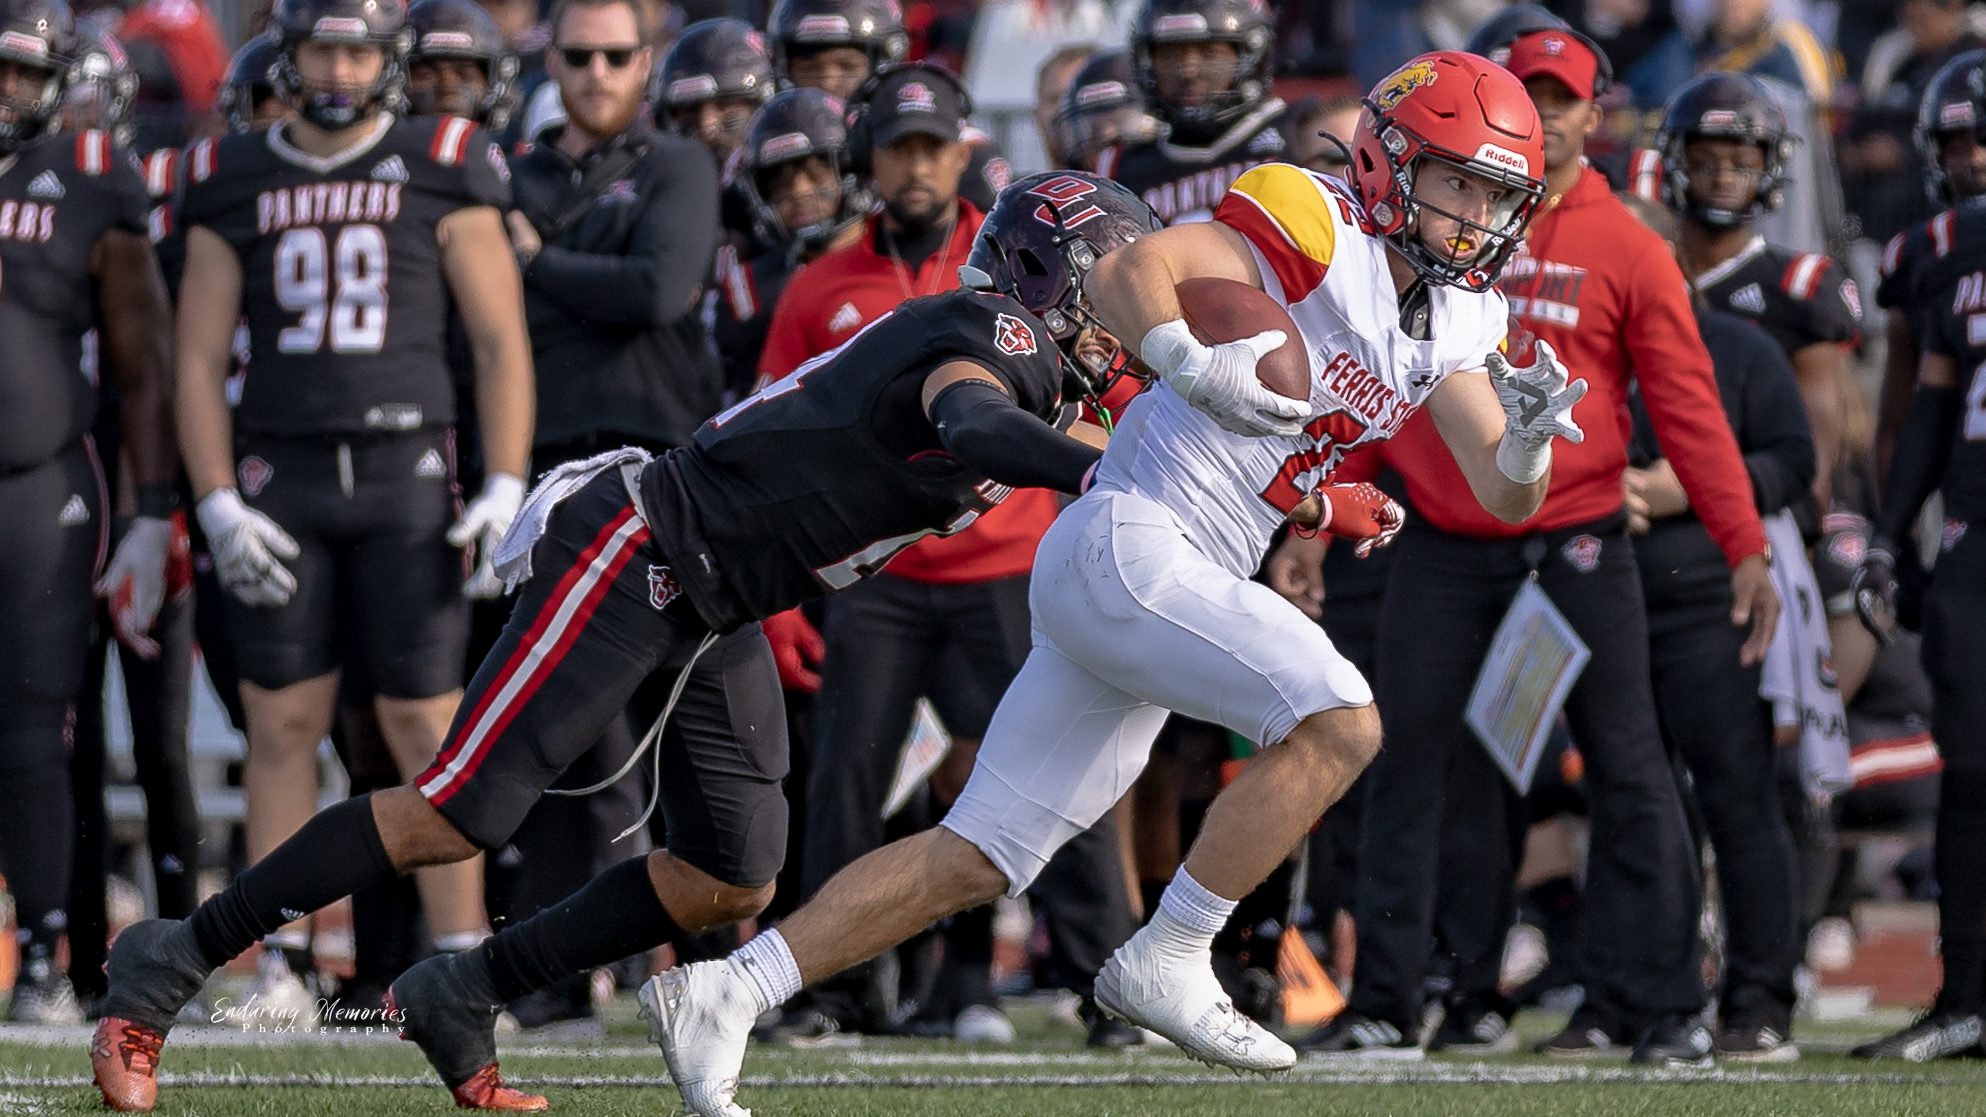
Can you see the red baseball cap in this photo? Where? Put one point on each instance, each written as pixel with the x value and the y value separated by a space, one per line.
pixel 1552 53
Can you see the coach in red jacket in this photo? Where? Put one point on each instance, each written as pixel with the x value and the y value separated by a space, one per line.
pixel 1607 294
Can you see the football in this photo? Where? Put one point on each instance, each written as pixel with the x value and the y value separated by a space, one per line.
pixel 1220 310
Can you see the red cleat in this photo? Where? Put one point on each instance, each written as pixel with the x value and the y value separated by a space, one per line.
pixel 485 1090
pixel 125 1057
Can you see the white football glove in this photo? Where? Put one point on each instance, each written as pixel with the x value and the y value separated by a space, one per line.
pixel 246 546
pixel 1537 403
pixel 1219 380
pixel 482 524
pixel 133 586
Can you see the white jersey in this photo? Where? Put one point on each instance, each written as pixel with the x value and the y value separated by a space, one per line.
pixel 1320 259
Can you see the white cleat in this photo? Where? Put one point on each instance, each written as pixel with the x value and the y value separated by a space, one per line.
pixel 701 1015
pixel 1183 1002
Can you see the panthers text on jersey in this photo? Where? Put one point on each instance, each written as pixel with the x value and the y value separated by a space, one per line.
pixel 58 195
pixel 1186 183
pixel 1801 298
pixel 1320 258
pixel 1950 287
pixel 817 480
pixel 342 281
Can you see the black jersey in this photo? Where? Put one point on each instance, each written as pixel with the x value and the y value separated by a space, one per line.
pixel 1801 298
pixel 745 293
pixel 58 196
pixel 1907 258
pixel 1186 183
pixel 1953 289
pixel 342 282
pixel 814 483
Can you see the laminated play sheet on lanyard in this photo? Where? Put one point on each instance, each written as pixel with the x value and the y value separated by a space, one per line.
pixel 1533 661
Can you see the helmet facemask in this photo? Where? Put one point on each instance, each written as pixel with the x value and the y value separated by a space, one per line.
pixel 28 112
pixel 1401 219
pixel 335 108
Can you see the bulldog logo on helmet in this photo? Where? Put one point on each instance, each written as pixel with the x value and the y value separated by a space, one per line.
pixel 1404 81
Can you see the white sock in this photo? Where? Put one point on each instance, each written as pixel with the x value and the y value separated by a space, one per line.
pixel 768 961
pixel 1188 915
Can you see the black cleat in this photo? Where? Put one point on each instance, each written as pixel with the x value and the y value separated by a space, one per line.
pixel 448 1006
pixel 1354 1035
pixel 1938 1034
pixel 1755 1041
pixel 1588 1035
pixel 1675 1040
pixel 1472 1027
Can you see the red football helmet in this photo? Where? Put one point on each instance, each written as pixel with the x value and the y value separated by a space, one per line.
pixel 1464 111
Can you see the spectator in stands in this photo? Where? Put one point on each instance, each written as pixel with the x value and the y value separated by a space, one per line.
pixel 1881 169
pixel 1743 36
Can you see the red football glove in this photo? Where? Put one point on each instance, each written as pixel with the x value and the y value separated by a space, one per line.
pixel 1359 512
pixel 797 649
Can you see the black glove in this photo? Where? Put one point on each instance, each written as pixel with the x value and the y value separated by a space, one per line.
pixel 1874 587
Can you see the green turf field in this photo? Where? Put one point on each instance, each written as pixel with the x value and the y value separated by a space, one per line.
pixel 223 1075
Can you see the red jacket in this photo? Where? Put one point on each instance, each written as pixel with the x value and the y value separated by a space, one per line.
pixel 831 298
pixel 1606 292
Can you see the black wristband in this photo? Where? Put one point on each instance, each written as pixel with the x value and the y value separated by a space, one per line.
pixel 158 500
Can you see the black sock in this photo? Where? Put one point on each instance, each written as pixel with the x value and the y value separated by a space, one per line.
pixel 968 969
pixel 1961 870
pixel 615 915
pixel 335 854
pixel 37 830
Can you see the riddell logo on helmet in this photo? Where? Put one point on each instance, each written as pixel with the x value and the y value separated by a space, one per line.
pixel 822 27
pixel 1186 23
pixel 1955 115
pixel 785 147
pixel 702 85
pixel 24 44
pixel 1101 91
pixel 448 40
pixel 338 27
pixel 1504 157
pixel 1718 118
pixel 1404 81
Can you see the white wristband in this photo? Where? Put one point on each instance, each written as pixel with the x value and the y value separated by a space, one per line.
pixel 1167 345
pixel 1522 463
pixel 504 485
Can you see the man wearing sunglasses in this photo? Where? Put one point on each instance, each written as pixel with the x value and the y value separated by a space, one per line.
pixel 615 227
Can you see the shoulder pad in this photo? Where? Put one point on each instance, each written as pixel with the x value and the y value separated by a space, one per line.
pixel 1802 276
pixel 736 280
pixel 1893 253
pixel 200 160
pixel 1644 174
pixel 1107 160
pixel 451 140
pixel 1942 228
pixel 93 152
pixel 1294 218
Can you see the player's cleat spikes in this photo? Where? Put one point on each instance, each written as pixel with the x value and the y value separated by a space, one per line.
pixel 1183 1001
pixel 153 970
pixel 701 1015
pixel 485 1090
pixel 125 1059
pixel 448 1005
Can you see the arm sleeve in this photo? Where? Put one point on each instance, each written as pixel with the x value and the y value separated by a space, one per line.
pixel 987 431
pixel 1773 432
pixel 1923 448
pixel 1677 384
pixel 655 281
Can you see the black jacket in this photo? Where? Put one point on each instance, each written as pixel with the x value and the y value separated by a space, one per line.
pixel 1679 561
pixel 612 300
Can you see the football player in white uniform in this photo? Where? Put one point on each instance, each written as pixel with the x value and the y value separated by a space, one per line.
pixel 1141 599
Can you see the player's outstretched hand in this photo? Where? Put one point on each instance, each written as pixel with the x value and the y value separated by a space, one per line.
pixel 134 585
pixel 1220 381
pixel 482 524
pixel 1874 587
pixel 247 547
pixel 1537 398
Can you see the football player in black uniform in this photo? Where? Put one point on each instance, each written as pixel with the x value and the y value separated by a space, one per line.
pixel 1942 448
pixel 1102 108
pixel 715 76
pixel 1724 146
pixel 72 245
pixel 249 99
pixel 459 65
pixel 834 45
pixel 344 235
pixel 804 201
pixel 1946 138
pixel 634 566
pixel 1203 66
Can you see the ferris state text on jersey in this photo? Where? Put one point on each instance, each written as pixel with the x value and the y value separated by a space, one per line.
pixel 819 479
pixel 58 195
pixel 343 286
